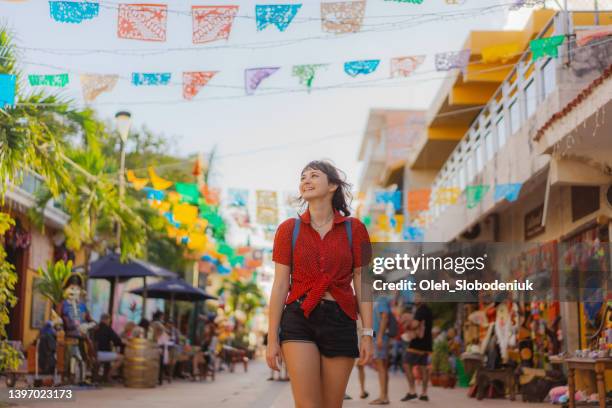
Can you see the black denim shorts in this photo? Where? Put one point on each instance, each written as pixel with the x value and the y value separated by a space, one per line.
pixel 332 330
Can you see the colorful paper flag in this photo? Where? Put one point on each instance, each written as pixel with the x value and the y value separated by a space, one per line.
pixel 518 4
pixel 508 191
pixel 418 200
pixel 154 194
pixel 412 233
pixel 137 183
pixel 407 1
pixel 267 207
pixel 279 15
pixel 446 195
pixel 475 194
pixel 151 79
pixel 254 76
pixel 384 197
pixel 194 81
pixel 146 22
pixel 212 23
pixel 197 241
pixel 174 197
pixel 93 85
pixel 342 17
pixel 74 12
pixel 446 61
pixel 189 192
pixel 583 37
pixel 7 90
pixel 404 66
pixel 158 182
pixel 542 47
pixel 364 67
pixel 185 214
pixel 306 73
pixel 500 53
pixel 238 197
pixel 59 80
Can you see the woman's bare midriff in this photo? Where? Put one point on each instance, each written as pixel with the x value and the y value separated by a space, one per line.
pixel 328 296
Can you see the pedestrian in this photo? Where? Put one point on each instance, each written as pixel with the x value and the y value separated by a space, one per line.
pixel 313 307
pixel 382 316
pixel 419 348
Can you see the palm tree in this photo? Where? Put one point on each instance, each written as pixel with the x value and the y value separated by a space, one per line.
pixel 245 296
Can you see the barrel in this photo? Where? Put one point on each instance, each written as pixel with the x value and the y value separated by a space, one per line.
pixel 141 368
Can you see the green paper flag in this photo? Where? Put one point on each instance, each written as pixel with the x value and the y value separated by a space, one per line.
pixel 306 73
pixel 546 46
pixel 60 80
pixel 475 194
pixel 189 192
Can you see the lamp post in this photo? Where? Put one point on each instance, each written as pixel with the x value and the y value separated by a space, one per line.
pixel 123 121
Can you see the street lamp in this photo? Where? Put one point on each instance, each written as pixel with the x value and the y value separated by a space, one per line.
pixel 123 120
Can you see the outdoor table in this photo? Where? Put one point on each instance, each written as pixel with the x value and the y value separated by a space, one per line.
pixel 598 365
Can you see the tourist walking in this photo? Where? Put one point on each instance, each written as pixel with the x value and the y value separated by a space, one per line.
pixel 419 348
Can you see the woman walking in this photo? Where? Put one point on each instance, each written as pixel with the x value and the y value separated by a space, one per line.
pixel 313 308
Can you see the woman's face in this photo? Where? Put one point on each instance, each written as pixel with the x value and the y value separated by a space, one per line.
pixel 314 184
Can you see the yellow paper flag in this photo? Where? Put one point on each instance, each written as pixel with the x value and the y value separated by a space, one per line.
pixel 185 214
pixel 197 241
pixel 158 182
pixel 137 183
pixel 174 197
pixel 446 195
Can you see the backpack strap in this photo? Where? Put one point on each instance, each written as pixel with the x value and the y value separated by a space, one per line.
pixel 349 233
pixel 294 236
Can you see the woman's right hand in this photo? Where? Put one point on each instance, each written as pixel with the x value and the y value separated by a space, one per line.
pixel 273 354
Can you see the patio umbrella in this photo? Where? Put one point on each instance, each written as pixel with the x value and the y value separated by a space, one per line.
pixel 174 289
pixel 110 267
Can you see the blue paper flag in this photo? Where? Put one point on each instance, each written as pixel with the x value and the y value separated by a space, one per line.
pixel 7 90
pixel 365 67
pixel 508 191
pixel 415 234
pixel 395 197
pixel 238 197
pixel 153 194
pixel 73 11
pixel 223 270
pixel 145 78
pixel 279 15
pixel 170 217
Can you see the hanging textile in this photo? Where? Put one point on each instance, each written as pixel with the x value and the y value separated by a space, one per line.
pixel 342 17
pixel 93 85
pixel 194 81
pixel 150 78
pixel 509 191
pixel 365 67
pixel 137 183
pixel 404 66
pixel 418 200
pixel 584 37
pixel 158 182
pixel 145 22
pixel 59 80
pixel 446 195
pixel 73 12
pixel 279 15
pixel 446 61
pixel 254 76
pixel 7 90
pixel 475 194
pixel 500 53
pixel 212 23
pixel 543 47
pixel 306 73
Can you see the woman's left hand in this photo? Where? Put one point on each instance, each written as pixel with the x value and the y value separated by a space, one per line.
pixel 366 350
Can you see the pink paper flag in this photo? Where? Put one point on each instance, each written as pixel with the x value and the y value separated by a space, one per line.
pixel 194 81
pixel 146 22
pixel 404 66
pixel 211 23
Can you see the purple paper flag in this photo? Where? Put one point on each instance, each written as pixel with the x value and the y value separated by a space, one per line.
pixel 254 76
pixel 446 61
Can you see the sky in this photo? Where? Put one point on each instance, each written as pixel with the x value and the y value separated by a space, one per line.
pixel 263 140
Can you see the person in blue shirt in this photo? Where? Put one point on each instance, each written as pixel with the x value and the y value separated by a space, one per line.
pixel 382 311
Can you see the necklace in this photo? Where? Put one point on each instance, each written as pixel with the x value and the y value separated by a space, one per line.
pixel 320 226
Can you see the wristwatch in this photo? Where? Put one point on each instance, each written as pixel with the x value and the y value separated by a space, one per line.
pixel 367 332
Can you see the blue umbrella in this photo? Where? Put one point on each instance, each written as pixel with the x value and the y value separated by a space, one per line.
pixel 174 289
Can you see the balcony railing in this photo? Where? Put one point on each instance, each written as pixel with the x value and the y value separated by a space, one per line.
pixel 527 85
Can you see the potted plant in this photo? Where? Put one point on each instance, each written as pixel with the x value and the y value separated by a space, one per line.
pixel 440 365
pixel 52 282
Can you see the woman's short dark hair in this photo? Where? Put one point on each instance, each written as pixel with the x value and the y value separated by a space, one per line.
pixel 342 196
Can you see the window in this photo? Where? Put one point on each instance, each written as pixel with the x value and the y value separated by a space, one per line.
pixel 500 125
pixel 549 77
pixel 530 98
pixel 515 117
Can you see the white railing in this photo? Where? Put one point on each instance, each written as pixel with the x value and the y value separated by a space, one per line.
pixel 515 101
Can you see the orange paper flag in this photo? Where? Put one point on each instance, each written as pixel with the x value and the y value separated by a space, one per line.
pixel 418 200
pixel 137 183
pixel 158 182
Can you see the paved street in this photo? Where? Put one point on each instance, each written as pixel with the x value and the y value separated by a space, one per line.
pixel 251 390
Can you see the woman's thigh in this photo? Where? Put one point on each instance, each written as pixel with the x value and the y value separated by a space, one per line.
pixel 304 366
pixel 335 373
